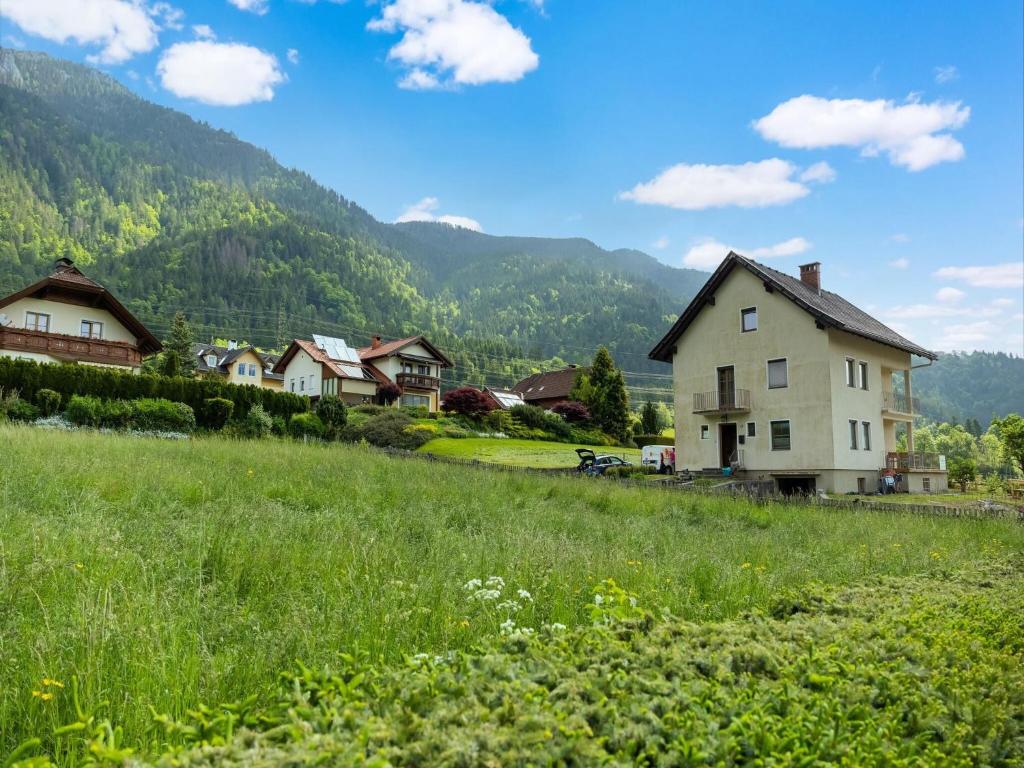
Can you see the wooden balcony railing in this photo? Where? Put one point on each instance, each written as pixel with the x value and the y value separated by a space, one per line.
pixel 417 381
pixel 71 348
pixel 735 401
pixel 904 462
pixel 897 403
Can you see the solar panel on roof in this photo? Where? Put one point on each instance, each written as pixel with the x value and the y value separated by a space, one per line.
pixel 336 349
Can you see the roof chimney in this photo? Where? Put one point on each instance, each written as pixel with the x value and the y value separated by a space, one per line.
pixel 232 344
pixel 375 342
pixel 810 275
pixel 63 263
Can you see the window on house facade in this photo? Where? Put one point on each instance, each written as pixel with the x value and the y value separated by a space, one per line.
pixel 704 431
pixel 853 434
pixel 302 384
pixel 416 400
pixel 748 319
pixel 926 484
pixel 851 372
pixel 211 361
pixel 751 429
pixel 863 374
pixel 91 329
pixel 780 435
pixel 778 374
pixel 866 425
pixel 862 485
pixel 37 321
pixel 291 384
pixel 423 370
pixel 252 369
pixel 241 369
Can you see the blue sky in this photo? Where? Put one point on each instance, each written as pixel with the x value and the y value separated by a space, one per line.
pixel 882 140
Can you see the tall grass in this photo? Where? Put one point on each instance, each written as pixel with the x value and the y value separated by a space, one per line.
pixel 168 573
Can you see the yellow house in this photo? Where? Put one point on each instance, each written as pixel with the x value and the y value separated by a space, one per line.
pixel 68 317
pixel 781 381
pixel 238 365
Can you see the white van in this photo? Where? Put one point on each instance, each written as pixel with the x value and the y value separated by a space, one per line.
pixel 661 457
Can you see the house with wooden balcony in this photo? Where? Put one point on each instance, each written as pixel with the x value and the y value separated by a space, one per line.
pixel 780 380
pixel 413 363
pixel 69 318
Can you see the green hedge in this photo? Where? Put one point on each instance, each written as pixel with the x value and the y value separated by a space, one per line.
pixel 642 440
pixel 145 414
pixel 909 671
pixel 28 377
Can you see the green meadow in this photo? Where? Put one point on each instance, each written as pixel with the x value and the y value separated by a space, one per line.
pixel 538 454
pixel 163 574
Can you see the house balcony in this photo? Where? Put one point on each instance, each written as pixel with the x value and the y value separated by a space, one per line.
pixel 901 461
pixel 71 348
pixel 417 381
pixel 722 402
pixel 897 404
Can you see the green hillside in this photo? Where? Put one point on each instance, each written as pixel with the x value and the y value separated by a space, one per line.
pixel 971 385
pixel 174 214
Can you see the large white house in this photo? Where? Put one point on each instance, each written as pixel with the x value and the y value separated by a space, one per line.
pixel 783 381
pixel 68 317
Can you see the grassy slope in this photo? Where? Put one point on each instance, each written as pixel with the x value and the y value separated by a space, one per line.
pixel 172 573
pixel 520 453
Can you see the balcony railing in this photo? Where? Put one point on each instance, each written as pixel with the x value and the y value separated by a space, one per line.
pixel 897 403
pixel 417 381
pixel 735 401
pixel 67 347
pixel 905 462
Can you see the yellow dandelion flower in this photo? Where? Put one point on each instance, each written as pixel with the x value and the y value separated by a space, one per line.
pixel 464 623
pixel 745 566
pixel 37 694
pixel 50 682
pixel 46 696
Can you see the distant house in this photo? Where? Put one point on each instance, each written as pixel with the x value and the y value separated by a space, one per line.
pixel 238 365
pixel 327 366
pixel 783 381
pixel 68 317
pixel 548 389
pixel 413 363
pixel 504 398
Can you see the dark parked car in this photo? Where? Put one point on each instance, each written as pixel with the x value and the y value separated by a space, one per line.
pixel 596 464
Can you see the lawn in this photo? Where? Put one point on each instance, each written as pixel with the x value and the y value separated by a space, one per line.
pixel 519 453
pixel 164 574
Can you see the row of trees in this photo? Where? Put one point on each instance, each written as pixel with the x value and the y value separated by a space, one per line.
pixel 997 453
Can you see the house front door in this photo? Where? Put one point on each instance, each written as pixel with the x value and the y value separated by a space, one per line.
pixel 726 387
pixel 726 443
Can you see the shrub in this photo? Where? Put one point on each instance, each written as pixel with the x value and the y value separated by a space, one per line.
pixel 117 414
pixel 571 411
pixel 369 408
pixel 278 426
pixel 332 413
pixel 388 393
pixel 529 415
pixel 642 440
pixel 388 430
pixel 48 401
pixel 467 401
pixel 498 420
pixel 416 411
pixel 256 424
pixel 217 412
pixel 633 471
pixel 306 425
pixel 22 410
pixel 83 411
pixel 159 415
pixel 962 472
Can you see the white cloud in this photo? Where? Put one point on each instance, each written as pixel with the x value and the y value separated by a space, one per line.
pixel 908 133
pixel 900 263
pixel 967 335
pixel 222 74
pixel 661 243
pixel 167 15
pixel 946 74
pixel 454 42
pixel 821 173
pixel 425 209
pixel 293 55
pixel 258 7
pixel 1002 303
pixel 900 237
pixel 123 28
pixel 949 295
pixel 1009 275
pixel 204 32
pixel 932 311
pixel 12 41
pixel 696 187
pixel 709 253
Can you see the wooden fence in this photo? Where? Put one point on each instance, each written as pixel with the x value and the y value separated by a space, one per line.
pixel 972 512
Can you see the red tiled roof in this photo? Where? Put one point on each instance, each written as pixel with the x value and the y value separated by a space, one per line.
pixel 388 348
pixel 544 386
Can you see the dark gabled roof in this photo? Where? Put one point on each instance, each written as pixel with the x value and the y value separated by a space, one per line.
pixel 225 357
pixel 67 277
pixel 391 347
pixel 543 386
pixel 829 309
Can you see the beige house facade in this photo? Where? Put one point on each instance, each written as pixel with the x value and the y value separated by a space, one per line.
pixel 414 364
pixel 245 365
pixel 68 317
pixel 780 381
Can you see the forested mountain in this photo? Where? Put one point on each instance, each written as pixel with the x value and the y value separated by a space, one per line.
pixel 174 214
pixel 971 385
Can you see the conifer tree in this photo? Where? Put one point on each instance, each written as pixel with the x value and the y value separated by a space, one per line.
pixel 609 405
pixel 180 344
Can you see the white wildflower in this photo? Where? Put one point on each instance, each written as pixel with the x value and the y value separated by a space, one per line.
pixel 509 605
pixel 485 594
pixel 598 599
pixel 472 584
pixel 524 595
pixel 508 626
pixel 495 582
pixel 556 627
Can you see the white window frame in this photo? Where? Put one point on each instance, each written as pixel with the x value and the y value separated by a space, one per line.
pixel 34 325
pixel 705 432
pixel 862 373
pixel 768 369
pixel 92 324
pixel 854 428
pixel 252 369
pixel 744 314
pixel 851 372
pixel 211 361
pixel 771 434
